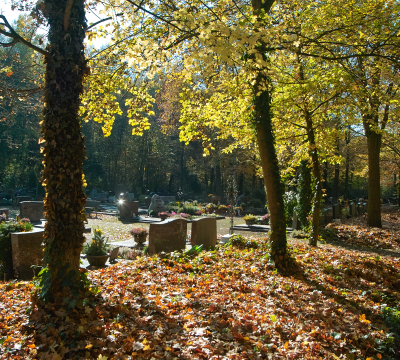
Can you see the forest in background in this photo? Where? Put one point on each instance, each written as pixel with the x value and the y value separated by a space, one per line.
pixel 158 161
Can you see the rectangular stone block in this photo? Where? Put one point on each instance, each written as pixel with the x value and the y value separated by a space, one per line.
pixel 27 250
pixel 128 208
pixel 167 236
pixel 33 210
pixel 353 210
pixel 204 232
pixel 336 211
pixel 93 204
pixel 295 222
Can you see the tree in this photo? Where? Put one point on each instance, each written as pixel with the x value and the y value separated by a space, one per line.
pixel 62 144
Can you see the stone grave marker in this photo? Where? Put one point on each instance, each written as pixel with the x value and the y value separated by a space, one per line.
pixel 336 211
pixel 295 222
pixel 353 209
pixel 204 232
pixel 128 208
pixel 157 204
pixel 167 236
pixel 27 250
pixel 93 204
pixel 33 210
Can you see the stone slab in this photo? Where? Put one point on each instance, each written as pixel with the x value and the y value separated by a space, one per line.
pixel 32 210
pixel 204 232
pixel 168 235
pixel 27 250
pixel 93 204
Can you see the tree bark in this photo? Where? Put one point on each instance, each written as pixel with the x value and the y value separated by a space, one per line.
pixel 269 163
pixel 266 146
pixel 316 207
pixel 63 149
pixel 374 142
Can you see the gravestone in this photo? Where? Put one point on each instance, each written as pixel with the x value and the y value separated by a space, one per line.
pixel 157 204
pixel 27 250
pixel 360 209
pixel 168 235
pixel 128 209
pixel 32 210
pixel 204 232
pixel 93 204
pixel 5 212
pixel 336 211
pixel 353 209
pixel 295 222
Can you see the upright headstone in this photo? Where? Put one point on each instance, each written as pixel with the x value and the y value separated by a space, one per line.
pixel 336 211
pixel 32 210
pixel 128 209
pixel 27 250
pixel 353 209
pixel 168 235
pixel 295 222
pixel 204 232
pixel 360 209
pixel 156 205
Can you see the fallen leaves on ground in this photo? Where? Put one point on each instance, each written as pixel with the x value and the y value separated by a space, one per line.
pixel 229 303
pixel 356 233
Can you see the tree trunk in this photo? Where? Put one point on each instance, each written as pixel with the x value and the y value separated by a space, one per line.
pixel 374 141
pixel 346 175
pixel 266 146
pixel 63 149
pixel 316 209
pixel 269 163
pixel 335 190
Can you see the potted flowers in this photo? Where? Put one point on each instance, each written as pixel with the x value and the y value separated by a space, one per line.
pixel 139 234
pixel 97 250
pixel 163 215
pixel 265 219
pixel 250 219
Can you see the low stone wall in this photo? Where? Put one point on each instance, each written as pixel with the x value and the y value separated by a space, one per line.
pixel 27 250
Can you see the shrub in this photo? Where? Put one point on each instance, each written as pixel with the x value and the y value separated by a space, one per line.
pixel 241 242
pixel 189 208
pixel 250 217
pixel 5 242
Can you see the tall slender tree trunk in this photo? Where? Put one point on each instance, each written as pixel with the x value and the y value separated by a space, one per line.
pixel 63 149
pixel 269 163
pixel 335 190
pixel 346 174
pixel 374 142
pixel 316 207
pixel 266 146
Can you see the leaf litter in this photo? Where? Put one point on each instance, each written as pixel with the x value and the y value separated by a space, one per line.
pixel 225 304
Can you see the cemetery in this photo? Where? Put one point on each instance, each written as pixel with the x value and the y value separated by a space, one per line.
pixel 199 180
